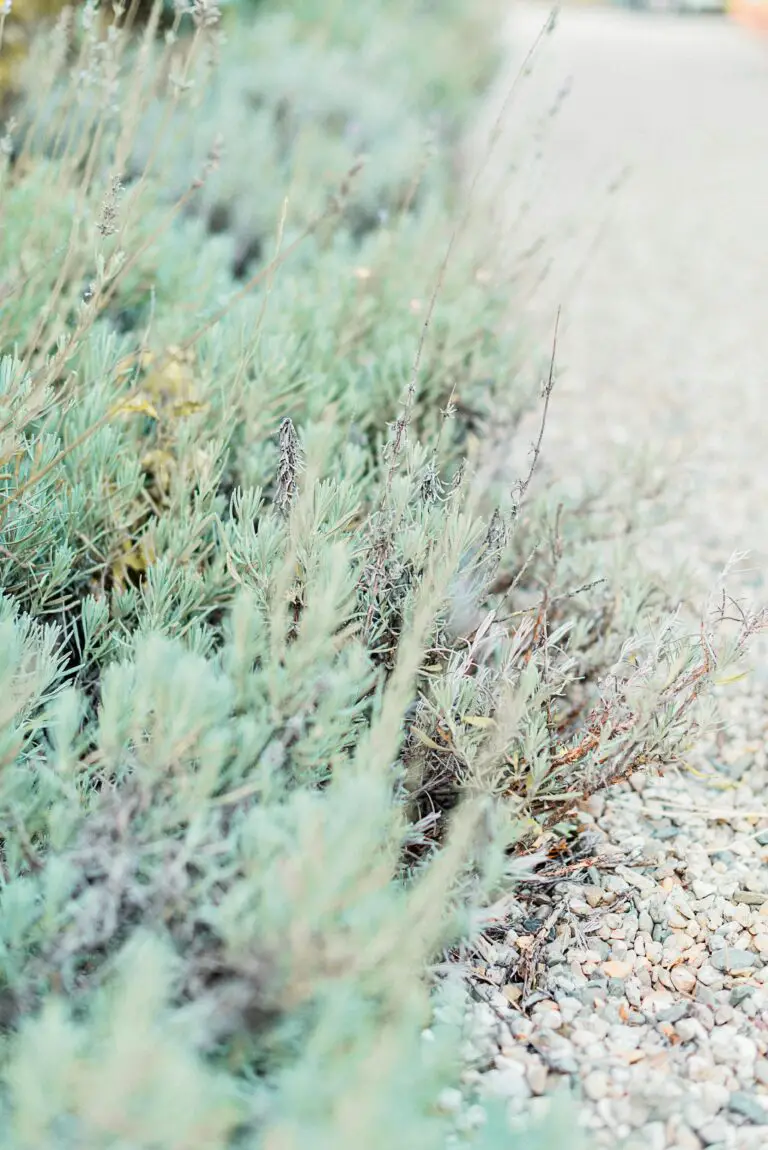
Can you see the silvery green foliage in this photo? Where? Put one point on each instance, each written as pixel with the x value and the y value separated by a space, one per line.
pixel 280 692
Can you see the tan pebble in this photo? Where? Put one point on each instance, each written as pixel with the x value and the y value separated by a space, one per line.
pixel 683 979
pixel 616 968
pixel 683 939
pixel 536 1073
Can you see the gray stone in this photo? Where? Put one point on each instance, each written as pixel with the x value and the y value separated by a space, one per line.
pixel 673 1013
pixel 749 897
pixel 690 1030
pixel 748 1106
pixel 732 958
pixel 739 994
pixel 645 922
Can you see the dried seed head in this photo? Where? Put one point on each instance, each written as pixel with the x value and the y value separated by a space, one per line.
pixel 431 484
pixel 458 479
pixel 398 438
pixel 205 14
pixel 107 224
pixel 212 162
pixel 496 535
pixel 288 466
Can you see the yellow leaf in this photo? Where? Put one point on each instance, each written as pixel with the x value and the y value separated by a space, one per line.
pixel 731 679
pixel 188 407
pixel 136 557
pixel 483 721
pixel 126 365
pixel 136 405
pixel 161 465
pixel 425 739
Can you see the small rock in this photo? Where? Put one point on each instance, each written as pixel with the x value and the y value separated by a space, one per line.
pixel 739 994
pixel 681 1137
pixel 673 1013
pixel 690 1030
pixel 699 1068
pixel 748 1106
pixel 569 1008
pixel 713 1132
pixel 704 995
pixel 615 968
pixel 709 976
pixel 450 1100
pixel 723 1014
pixel 657 1001
pixel 731 959
pixel 507 1082
pixel 596 1085
pixel 760 1071
pixel 537 1074
pixel 644 922
pixel 632 991
pixel 646 886
pixel 749 897
pixel 683 979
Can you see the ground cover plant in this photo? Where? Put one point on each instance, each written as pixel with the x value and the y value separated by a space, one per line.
pixel 287 696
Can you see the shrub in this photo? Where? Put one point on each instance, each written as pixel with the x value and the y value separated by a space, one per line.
pixel 284 693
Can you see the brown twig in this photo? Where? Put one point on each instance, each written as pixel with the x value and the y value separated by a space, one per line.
pixel 522 486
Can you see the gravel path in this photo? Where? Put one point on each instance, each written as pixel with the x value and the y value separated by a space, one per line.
pixel 635 165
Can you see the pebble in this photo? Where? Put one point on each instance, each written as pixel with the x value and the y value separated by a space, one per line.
pixel 714 1133
pixel 749 1107
pixel 733 959
pixel 653 996
pixel 683 979
pixel 596 1085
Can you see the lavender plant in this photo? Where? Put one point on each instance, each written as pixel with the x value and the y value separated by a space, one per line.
pixel 285 691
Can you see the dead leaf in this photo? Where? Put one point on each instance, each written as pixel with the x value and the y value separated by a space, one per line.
pixel 425 740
